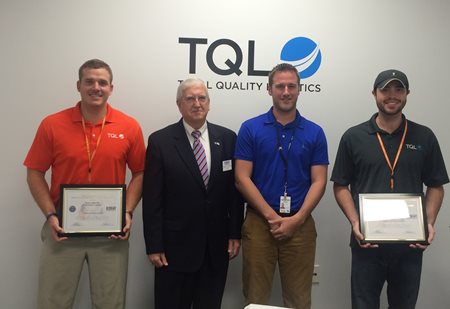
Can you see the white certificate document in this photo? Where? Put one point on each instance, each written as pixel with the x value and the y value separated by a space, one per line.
pixel 93 209
pixel 392 217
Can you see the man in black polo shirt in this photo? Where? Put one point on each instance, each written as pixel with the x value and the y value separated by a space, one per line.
pixel 388 154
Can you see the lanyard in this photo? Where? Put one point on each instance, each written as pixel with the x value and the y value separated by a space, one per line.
pixel 285 159
pixel 400 148
pixel 88 148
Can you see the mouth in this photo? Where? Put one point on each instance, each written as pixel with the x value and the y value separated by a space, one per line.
pixel 391 104
pixel 391 101
pixel 286 101
pixel 95 95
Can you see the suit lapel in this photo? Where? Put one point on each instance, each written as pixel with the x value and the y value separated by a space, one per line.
pixel 186 154
pixel 216 147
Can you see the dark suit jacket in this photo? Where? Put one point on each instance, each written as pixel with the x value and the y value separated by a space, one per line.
pixel 181 216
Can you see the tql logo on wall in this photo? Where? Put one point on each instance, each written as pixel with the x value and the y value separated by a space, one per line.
pixel 301 52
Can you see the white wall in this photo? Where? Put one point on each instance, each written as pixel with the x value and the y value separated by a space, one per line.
pixel 42 44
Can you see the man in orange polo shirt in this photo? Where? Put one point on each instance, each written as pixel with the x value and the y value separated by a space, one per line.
pixel 91 143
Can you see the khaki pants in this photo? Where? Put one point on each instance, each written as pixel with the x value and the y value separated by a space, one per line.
pixel 61 264
pixel 295 258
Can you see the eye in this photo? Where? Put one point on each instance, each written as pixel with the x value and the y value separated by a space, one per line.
pixel 202 99
pixel 192 99
pixel 290 87
pixel 189 99
pixel 399 90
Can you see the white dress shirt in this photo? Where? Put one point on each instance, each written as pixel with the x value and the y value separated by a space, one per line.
pixel 204 139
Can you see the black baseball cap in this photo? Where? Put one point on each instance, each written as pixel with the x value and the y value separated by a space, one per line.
pixel 388 76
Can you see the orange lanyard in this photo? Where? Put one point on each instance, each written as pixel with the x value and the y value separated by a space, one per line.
pixel 88 148
pixel 400 148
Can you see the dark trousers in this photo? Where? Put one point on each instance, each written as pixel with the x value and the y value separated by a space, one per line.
pixel 398 265
pixel 198 290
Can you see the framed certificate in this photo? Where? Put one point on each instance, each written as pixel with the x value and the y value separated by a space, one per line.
pixel 393 218
pixel 92 210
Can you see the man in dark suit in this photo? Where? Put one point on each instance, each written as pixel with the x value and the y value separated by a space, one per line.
pixel 191 209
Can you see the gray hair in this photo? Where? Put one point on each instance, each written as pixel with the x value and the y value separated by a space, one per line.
pixel 187 83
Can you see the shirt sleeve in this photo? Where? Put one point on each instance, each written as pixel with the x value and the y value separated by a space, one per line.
pixel 244 144
pixel 321 150
pixel 434 174
pixel 40 155
pixel 343 167
pixel 136 155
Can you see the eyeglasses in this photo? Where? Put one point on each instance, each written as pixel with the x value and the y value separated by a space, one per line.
pixel 192 99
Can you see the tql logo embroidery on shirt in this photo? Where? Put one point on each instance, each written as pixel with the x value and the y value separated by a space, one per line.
pixel 115 135
pixel 413 147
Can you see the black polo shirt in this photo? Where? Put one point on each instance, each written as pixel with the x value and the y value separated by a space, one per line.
pixel 360 161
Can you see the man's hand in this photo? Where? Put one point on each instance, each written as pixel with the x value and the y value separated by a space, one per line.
pixel 283 227
pixel 233 248
pixel 53 224
pixel 126 228
pixel 431 233
pixel 158 259
pixel 359 236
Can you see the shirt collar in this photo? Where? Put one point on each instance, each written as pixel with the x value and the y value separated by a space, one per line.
pixel 374 128
pixel 190 129
pixel 76 113
pixel 272 121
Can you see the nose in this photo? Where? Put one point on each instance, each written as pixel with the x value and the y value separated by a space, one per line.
pixel 96 85
pixel 197 101
pixel 391 93
pixel 286 90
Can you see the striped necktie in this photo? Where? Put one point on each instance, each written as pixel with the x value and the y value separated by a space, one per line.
pixel 200 156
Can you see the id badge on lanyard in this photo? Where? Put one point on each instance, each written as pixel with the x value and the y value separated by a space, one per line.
pixel 285 200
pixel 285 204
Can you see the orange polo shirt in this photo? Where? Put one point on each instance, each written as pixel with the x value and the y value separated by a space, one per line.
pixel 60 143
